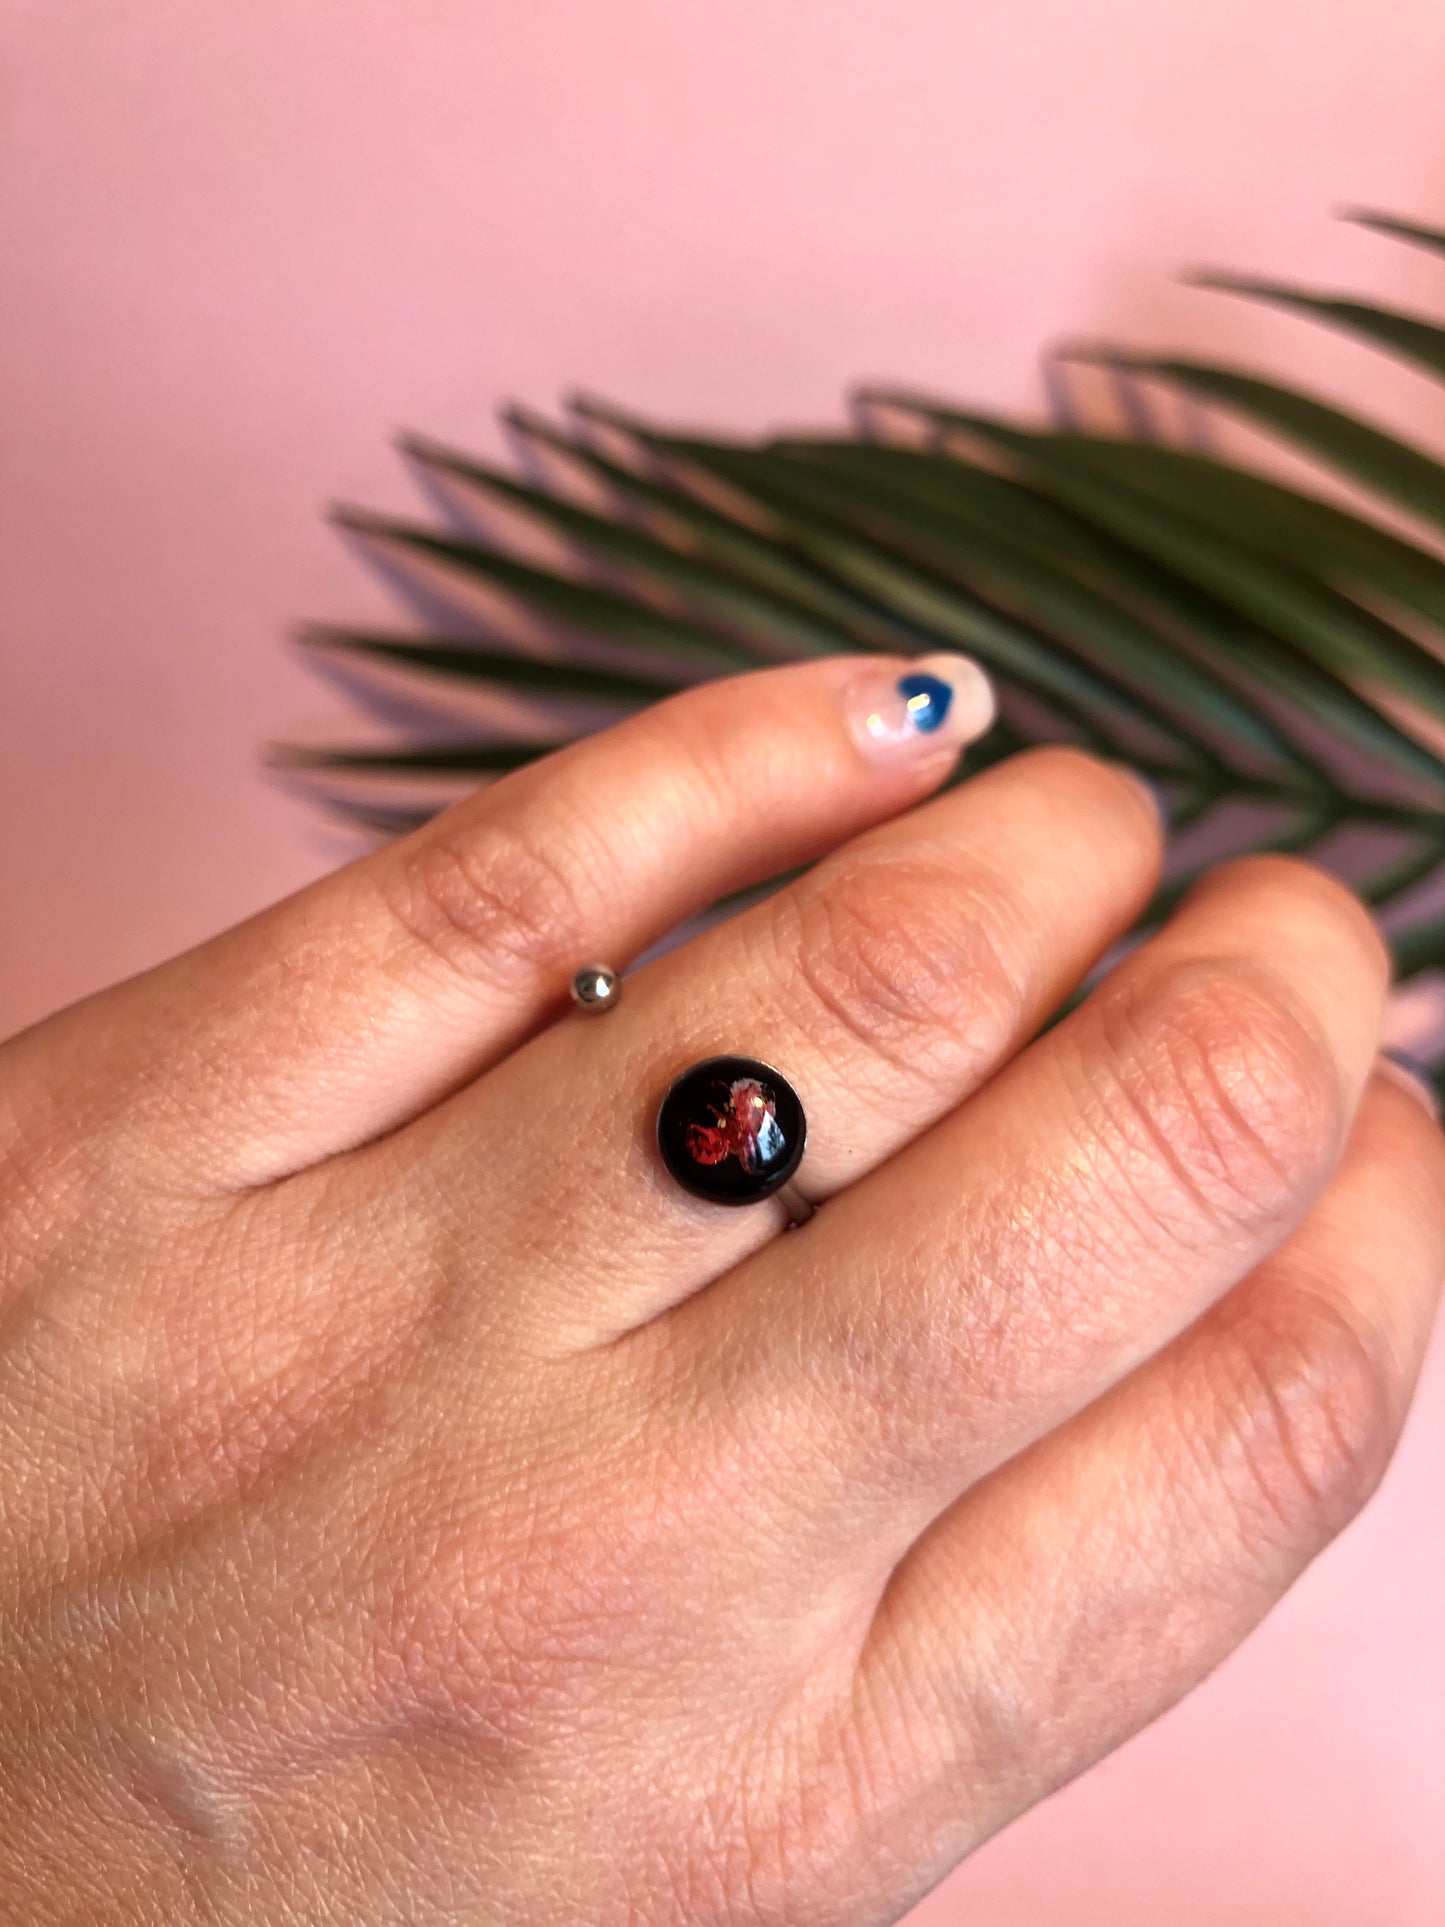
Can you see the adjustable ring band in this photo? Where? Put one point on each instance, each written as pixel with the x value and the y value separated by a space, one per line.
pixel 732 1130
pixel 799 1209
pixel 596 987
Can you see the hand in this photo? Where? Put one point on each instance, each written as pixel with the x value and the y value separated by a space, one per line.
pixel 415 1507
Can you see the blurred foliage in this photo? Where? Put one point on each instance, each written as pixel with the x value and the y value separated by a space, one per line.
pixel 1269 650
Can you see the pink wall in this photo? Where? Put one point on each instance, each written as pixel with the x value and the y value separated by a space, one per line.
pixel 242 243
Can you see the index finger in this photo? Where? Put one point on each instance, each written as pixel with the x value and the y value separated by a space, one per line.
pixel 340 1013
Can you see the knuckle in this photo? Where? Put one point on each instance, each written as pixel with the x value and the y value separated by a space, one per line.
pixel 486 901
pixel 1311 1412
pixel 1220 1090
pixel 918 961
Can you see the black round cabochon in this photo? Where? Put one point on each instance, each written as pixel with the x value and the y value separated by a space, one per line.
pixel 731 1129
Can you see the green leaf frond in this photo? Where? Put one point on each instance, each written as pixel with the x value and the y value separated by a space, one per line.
pixel 1271 653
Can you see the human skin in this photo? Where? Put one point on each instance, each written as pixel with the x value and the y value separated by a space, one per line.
pixel 416 1508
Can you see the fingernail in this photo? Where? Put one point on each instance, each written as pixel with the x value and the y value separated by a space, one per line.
pixel 911 711
pixel 1151 792
pixel 1412 1076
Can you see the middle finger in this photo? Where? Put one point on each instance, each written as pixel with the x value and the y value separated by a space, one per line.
pixel 886 985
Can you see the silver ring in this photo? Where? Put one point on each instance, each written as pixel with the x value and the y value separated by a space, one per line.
pixel 595 988
pixel 798 1207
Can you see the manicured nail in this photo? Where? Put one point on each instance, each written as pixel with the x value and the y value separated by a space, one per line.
pixel 1412 1076
pixel 911 711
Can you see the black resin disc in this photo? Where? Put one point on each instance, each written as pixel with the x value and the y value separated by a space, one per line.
pixel 731 1129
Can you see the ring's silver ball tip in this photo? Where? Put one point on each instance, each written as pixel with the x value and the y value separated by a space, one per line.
pixel 595 987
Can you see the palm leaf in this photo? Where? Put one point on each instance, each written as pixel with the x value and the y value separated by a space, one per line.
pixel 1432 238
pixel 1271 652
pixel 1355 450
pixel 1408 336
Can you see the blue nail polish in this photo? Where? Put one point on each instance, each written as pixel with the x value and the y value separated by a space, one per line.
pixel 927 698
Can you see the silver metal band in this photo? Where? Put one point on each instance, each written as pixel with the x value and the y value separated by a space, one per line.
pixel 798 1207
pixel 596 987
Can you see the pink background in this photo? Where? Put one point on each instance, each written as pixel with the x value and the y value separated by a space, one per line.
pixel 242 243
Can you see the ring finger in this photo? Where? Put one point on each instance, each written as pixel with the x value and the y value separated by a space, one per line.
pixel 887 985
pixel 1040 1243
